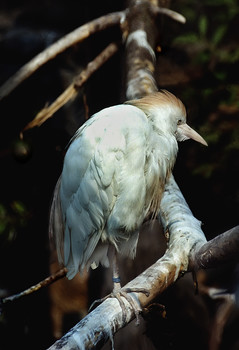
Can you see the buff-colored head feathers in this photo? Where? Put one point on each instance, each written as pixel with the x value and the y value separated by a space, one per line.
pixel 160 99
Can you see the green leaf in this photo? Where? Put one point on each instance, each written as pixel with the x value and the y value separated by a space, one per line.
pixel 219 34
pixel 220 75
pixel 188 38
pixel 18 207
pixel 3 218
pixel 203 26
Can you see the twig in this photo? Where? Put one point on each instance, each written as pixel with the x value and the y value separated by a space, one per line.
pixel 222 315
pixel 46 282
pixel 73 38
pixel 170 13
pixel 59 46
pixel 73 89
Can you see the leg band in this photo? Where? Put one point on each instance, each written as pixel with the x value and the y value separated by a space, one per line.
pixel 116 279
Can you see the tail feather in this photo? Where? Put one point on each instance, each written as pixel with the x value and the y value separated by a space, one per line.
pixel 128 247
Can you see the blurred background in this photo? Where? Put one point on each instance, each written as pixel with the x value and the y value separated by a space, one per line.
pixel 199 62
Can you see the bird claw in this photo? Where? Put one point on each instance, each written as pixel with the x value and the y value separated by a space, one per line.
pixel 124 292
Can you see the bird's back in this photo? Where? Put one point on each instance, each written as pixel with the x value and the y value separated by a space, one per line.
pixel 111 180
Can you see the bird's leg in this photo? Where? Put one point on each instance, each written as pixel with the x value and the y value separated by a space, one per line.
pixel 119 292
pixel 116 276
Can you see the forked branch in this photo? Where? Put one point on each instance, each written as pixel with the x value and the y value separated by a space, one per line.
pixel 74 37
pixel 186 236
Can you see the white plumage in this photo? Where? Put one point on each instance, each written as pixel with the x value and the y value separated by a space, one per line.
pixel 113 178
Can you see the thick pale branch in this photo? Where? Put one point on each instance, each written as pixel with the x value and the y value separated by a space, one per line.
pixel 103 322
pixel 140 44
pixel 140 55
pixel 177 219
pixel 73 88
pixel 221 249
pixel 59 46
pixel 184 230
pixel 185 236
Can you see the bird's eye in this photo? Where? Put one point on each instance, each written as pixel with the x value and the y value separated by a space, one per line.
pixel 179 121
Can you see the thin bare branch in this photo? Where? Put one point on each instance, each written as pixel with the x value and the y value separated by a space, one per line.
pixel 58 47
pixel 73 88
pixel 46 282
pixel 170 13
pixel 222 314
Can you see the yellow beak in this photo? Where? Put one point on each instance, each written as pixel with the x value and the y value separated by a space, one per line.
pixel 184 132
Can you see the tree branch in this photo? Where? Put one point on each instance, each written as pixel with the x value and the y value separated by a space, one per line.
pixel 185 233
pixel 73 88
pixel 187 247
pixel 140 55
pixel 59 46
pixel 103 322
pixel 165 11
pixel 183 228
pixel 221 249
pixel 75 37
pixel 46 282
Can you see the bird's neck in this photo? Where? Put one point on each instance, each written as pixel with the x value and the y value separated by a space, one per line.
pixel 164 148
pixel 161 156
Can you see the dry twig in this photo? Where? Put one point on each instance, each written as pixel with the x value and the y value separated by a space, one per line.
pixel 46 282
pixel 73 88
pixel 75 37
pixel 59 46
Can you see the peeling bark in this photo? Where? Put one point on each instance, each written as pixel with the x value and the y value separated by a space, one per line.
pixel 140 55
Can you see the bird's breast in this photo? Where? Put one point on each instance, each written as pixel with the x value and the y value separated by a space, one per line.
pixel 158 168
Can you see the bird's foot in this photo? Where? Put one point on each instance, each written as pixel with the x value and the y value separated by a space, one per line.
pixel 118 293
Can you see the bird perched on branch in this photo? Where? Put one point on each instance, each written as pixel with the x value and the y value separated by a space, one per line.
pixel 113 179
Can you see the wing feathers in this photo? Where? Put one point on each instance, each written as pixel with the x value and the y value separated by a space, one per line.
pixel 56 225
pixel 95 178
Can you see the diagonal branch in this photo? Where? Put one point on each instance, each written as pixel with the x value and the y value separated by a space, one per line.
pixel 75 37
pixel 103 322
pixel 46 282
pixel 59 46
pixel 73 88
pixel 185 236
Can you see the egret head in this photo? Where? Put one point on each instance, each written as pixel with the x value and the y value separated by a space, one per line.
pixel 168 114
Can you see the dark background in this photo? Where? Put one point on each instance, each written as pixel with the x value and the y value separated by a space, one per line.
pixel 198 61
